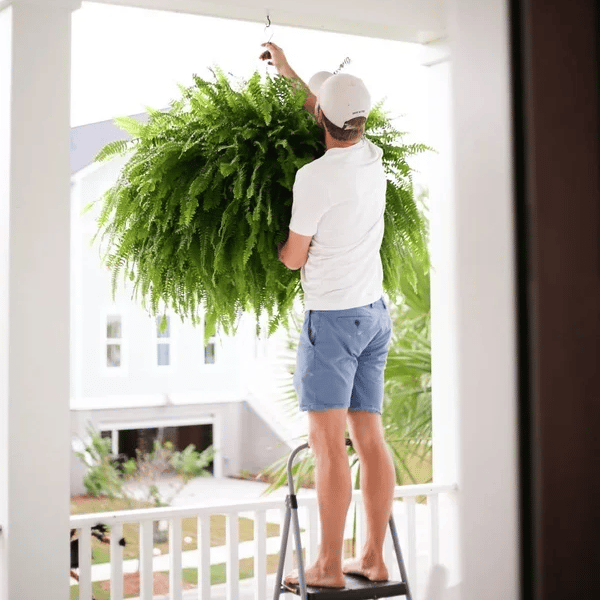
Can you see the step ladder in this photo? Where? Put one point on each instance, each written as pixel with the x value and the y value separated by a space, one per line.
pixel 357 587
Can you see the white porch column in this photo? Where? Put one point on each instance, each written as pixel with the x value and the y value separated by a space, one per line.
pixel 444 363
pixel 485 297
pixel 35 64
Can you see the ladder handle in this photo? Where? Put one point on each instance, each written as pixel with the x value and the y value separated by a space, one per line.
pixel 292 457
pixel 291 463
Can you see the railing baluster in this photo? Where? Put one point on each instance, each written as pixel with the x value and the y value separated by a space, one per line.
pixel 116 562
pixel 233 562
pixel 85 563
pixel 434 520
pixel 313 531
pixel 204 557
pixel 411 524
pixel 175 558
pixel 287 565
pixel 389 555
pixel 146 571
pixel 260 555
pixel 360 526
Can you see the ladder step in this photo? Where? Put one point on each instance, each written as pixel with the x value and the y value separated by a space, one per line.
pixel 357 588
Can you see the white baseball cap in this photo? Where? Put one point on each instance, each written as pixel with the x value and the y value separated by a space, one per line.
pixel 341 97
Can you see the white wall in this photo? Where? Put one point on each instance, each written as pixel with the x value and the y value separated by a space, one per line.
pixel 473 301
pixel 5 125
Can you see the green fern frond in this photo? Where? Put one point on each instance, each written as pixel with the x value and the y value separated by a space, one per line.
pixel 131 126
pixel 113 149
pixel 204 200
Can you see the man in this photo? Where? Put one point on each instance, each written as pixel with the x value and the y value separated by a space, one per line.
pixel 335 237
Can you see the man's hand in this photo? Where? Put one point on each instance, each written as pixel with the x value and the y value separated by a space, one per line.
pixel 274 54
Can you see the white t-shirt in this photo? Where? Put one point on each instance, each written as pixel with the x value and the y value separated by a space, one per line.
pixel 339 199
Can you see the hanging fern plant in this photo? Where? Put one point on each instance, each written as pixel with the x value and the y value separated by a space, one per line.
pixel 203 203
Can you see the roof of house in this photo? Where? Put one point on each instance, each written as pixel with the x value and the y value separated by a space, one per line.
pixel 88 140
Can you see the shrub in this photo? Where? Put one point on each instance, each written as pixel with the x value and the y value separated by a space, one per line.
pixel 103 477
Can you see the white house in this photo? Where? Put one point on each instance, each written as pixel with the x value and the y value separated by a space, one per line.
pixel 135 383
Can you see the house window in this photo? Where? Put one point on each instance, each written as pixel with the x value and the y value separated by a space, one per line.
pixel 209 351
pixel 114 341
pixel 164 356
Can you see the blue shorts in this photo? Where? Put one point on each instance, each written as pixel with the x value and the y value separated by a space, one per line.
pixel 341 358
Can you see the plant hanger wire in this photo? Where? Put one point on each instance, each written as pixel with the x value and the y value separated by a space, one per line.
pixel 266 54
pixel 345 62
pixel 267 27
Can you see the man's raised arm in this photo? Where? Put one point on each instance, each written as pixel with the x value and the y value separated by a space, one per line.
pixel 274 54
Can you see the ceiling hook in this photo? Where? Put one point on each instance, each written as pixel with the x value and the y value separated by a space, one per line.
pixel 267 26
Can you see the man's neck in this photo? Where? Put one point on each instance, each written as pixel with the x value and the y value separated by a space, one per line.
pixel 333 143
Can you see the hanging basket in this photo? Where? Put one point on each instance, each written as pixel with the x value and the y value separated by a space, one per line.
pixel 199 210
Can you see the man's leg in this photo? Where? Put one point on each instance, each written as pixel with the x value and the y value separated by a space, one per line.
pixel 377 482
pixel 334 492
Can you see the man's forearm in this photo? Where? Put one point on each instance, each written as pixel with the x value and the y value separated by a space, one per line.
pixel 289 73
pixel 284 69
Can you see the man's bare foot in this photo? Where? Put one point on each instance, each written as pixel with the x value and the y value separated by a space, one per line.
pixel 318 577
pixel 373 569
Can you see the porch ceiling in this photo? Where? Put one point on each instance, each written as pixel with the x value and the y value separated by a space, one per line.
pixel 403 20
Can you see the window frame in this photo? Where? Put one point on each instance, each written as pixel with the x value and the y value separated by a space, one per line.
pixel 122 369
pixel 164 340
pixel 212 340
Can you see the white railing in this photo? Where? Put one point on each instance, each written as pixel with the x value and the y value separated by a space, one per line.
pixel 412 528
